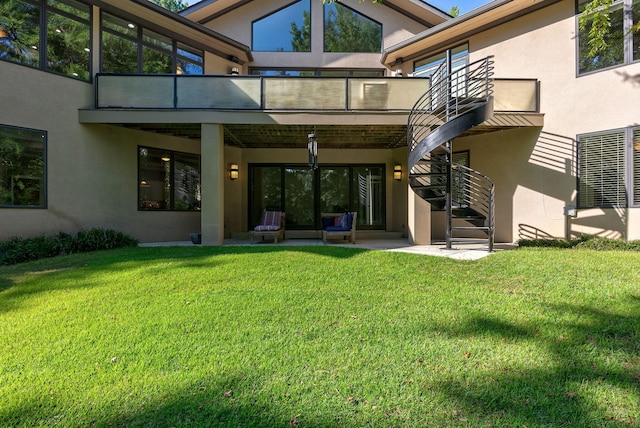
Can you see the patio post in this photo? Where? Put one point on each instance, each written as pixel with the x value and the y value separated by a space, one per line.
pixel 212 180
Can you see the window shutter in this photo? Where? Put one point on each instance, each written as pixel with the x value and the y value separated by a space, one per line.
pixel 636 166
pixel 602 170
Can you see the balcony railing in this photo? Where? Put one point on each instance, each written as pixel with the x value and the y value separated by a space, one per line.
pixel 261 93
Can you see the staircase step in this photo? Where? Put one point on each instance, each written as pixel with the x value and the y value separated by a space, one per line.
pixel 470 240
pixel 468 228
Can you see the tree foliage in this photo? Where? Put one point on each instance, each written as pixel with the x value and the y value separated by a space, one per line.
pixel 301 37
pixel 172 5
pixel 347 31
pixel 596 20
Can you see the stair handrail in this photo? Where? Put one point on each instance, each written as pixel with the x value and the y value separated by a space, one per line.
pixel 449 96
pixel 478 194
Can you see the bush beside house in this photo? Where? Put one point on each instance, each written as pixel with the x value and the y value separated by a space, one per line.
pixel 18 250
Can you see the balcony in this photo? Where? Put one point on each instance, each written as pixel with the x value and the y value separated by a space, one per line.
pixel 259 111
pixel 259 93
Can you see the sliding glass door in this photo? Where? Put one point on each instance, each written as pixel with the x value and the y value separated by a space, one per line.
pixel 299 204
pixel 304 193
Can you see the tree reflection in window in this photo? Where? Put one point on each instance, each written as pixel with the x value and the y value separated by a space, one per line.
pixel 124 42
pixel 286 30
pixel 19 32
pixel 66 42
pixel 22 167
pixel 168 180
pixel 346 30
pixel 69 39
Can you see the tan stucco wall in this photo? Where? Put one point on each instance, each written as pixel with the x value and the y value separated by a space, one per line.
pixel 534 169
pixel 92 169
pixel 237 25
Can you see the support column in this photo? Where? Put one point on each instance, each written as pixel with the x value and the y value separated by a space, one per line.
pixel 419 219
pixel 212 178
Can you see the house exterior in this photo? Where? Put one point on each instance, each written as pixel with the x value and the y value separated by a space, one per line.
pixel 119 114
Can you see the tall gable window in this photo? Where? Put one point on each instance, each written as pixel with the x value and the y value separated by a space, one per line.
pixel 346 30
pixel 623 45
pixel 22 167
pixel 129 48
pixel 63 47
pixel 287 30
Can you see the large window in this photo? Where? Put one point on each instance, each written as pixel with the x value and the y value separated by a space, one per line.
pixel 323 72
pixel 130 48
pixel 609 168
pixel 63 47
pixel 304 193
pixel 622 44
pixel 346 30
pixel 22 167
pixel 168 180
pixel 425 67
pixel 287 30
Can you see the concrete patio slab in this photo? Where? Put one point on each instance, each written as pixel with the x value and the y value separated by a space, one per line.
pixel 459 252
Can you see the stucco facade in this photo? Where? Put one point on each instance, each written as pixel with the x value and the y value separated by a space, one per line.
pixel 92 153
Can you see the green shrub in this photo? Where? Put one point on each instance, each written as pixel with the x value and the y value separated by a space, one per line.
pixel 588 242
pixel 18 250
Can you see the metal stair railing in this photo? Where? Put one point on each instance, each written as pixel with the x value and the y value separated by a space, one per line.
pixel 457 101
pixel 476 192
pixel 450 96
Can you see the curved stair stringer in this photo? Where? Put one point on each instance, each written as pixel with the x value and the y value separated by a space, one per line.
pixel 450 130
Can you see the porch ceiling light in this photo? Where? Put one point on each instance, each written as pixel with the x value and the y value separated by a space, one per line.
pixel 312 148
pixel 397 172
pixel 234 171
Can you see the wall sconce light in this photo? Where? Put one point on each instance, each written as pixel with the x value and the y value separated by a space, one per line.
pixel 234 172
pixel 397 172
pixel 235 71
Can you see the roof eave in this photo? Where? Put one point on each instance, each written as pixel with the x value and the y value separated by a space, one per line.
pixel 233 49
pixel 491 14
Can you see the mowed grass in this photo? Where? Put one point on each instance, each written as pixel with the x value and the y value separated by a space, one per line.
pixel 320 337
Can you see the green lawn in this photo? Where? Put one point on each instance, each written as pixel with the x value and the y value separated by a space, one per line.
pixel 320 337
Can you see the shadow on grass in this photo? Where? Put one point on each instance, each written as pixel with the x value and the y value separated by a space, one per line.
pixel 81 267
pixel 596 361
pixel 205 404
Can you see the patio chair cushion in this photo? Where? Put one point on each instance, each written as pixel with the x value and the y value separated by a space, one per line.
pixel 341 223
pixel 270 219
pixel 266 227
pixel 328 222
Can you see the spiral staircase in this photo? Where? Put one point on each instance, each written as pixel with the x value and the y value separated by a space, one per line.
pixel 457 101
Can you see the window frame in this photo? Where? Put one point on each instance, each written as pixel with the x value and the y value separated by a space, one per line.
pixel 44 9
pixel 44 186
pixel 316 72
pixel 172 177
pixel 628 36
pixel 317 188
pixel 274 13
pixel 631 175
pixel 177 45
pixel 459 52
pixel 324 28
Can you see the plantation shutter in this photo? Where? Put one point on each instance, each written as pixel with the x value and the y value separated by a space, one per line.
pixel 602 170
pixel 636 166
